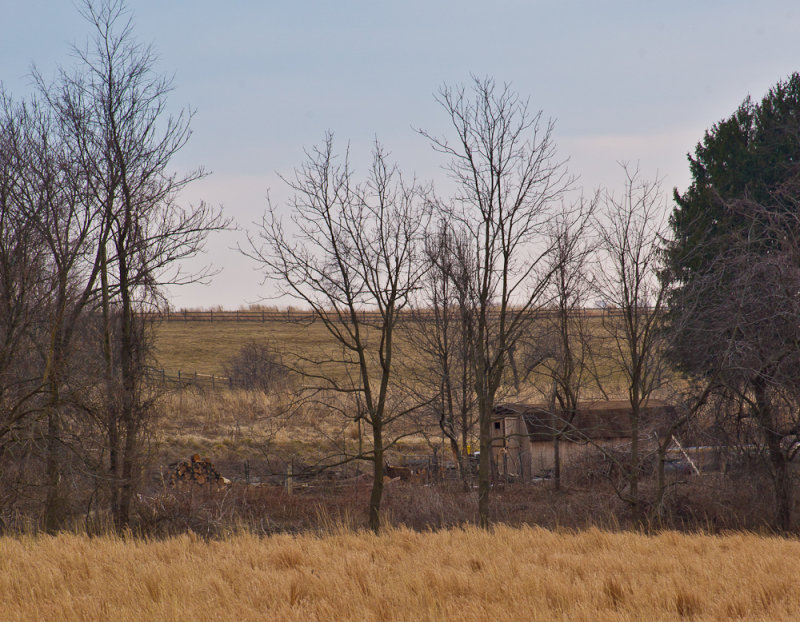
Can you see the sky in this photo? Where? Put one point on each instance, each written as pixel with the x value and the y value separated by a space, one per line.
pixel 631 81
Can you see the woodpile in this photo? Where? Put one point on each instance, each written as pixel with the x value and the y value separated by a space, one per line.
pixel 393 472
pixel 197 470
pixel 418 475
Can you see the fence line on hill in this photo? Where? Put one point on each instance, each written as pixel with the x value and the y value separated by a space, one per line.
pixel 301 316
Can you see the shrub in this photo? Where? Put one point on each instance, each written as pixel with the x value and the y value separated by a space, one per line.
pixel 256 367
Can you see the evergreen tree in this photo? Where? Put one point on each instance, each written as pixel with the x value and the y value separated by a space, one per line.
pixel 749 159
pixel 733 269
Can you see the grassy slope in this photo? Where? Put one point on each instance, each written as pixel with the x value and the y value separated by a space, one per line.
pixel 517 574
pixel 204 347
pixel 212 423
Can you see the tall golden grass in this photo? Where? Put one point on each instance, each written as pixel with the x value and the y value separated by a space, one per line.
pixel 237 421
pixel 510 574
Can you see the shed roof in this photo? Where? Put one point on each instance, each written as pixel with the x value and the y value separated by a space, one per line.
pixel 597 419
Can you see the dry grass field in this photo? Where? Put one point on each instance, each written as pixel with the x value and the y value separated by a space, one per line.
pixel 332 571
pixel 204 347
pixel 232 425
pixel 510 574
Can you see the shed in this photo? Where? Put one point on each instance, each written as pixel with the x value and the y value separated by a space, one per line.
pixel 523 435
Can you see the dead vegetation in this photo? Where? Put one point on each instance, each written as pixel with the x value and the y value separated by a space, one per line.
pixel 526 573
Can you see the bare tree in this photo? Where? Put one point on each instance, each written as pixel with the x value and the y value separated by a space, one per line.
pixel 507 180
pixel 49 198
pixel 736 331
pixel 353 258
pixel 561 354
pixel 440 330
pixel 23 266
pixel 256 366
pixel 23 307
pixel 112 111
pixel 90 222
pixel 631 229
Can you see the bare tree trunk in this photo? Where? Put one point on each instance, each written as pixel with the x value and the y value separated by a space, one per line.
pixel 54 501
pixel 127 370
pixel 456 450
pixel 783 490
pixel 777 458
pixel 484 464
pixel 54 504
pixel 661 484
pixel 633 476
pixel 377 482
pixel 112 418
pixel 557 426
pixel 556 462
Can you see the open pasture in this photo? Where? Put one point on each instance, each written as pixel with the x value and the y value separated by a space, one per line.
pixel 199 345
pixel 204 347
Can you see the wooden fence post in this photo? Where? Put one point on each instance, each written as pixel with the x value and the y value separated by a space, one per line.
pixel 289 478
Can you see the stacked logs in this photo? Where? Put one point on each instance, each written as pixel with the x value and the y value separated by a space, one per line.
pixel 198 470
pixel 394 472
pixel 405 474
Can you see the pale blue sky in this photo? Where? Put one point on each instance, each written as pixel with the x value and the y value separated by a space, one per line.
pixel 635 81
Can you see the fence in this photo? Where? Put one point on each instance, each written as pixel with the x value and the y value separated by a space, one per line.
pixel 289 315
pixel 183 379
pixel 298 316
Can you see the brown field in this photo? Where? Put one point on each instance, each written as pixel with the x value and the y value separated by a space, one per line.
pixel 510 574
pixel 234 426
pixel 204 347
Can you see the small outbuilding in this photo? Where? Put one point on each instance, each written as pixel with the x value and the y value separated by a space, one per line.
pixel 524 435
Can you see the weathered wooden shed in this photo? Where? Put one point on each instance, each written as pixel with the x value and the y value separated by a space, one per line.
pixel 523 435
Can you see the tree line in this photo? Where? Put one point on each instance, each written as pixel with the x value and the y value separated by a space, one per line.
pixel 705 298
pixel 92 228
pixel 511 242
